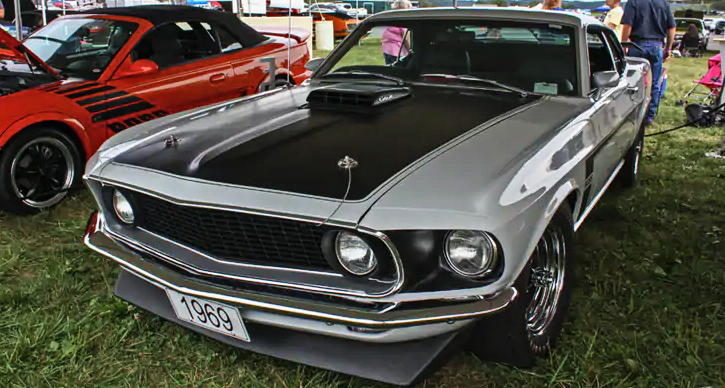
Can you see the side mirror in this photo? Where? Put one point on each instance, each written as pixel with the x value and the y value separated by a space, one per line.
pixel 140 67
pixel 314 63
pixel 605 79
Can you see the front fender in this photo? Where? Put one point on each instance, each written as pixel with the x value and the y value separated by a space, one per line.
pixel 38 118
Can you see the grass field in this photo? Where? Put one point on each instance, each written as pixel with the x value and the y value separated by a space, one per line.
pixel 648 310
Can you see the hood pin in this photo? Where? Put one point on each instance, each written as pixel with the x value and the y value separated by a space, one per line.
pixel 171 141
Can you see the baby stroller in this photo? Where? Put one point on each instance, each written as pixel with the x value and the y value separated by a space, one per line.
pixel 711 81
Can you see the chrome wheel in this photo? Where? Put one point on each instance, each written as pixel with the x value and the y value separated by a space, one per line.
pixel 42 171
pixel 547 281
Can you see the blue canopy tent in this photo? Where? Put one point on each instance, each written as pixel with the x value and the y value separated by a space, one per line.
pixel 603 8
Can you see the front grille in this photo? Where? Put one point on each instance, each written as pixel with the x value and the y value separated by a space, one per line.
pixel 234 236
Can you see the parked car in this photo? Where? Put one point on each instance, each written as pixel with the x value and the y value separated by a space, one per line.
pixel 89 76
pixel 684 23
pixel 342 21
pixel 376 219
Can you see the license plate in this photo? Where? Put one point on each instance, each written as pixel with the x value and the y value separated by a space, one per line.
pixel 209 315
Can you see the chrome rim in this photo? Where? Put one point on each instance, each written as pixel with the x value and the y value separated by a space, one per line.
pixel 42 172
pixel 547 281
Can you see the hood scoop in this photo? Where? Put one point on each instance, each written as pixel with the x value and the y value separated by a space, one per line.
pixel 355 97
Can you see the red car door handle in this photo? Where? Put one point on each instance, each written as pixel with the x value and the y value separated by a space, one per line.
pixel 217 78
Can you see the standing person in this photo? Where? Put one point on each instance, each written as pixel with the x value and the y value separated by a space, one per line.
pixel 647 23
pixel 2 10
pixel 552 5
pixel 395 41
pixel 613 19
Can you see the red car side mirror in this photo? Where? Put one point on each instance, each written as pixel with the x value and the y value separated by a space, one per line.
pixel 140 67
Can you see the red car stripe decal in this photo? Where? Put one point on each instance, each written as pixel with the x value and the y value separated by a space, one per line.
pixel 104 97
pixel 64 90
pixel 113 104
pixel 91 91
pixel 122 111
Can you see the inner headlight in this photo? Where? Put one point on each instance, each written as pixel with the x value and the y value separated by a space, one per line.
pixel 469 252
pixel 354 254
pixel 122 207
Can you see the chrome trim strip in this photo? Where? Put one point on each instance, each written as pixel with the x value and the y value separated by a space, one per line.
pixel 104 245
pixel 598 196
pixel 381 236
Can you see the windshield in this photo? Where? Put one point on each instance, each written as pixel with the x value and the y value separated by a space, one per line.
pixel 535 57
pixel 80 47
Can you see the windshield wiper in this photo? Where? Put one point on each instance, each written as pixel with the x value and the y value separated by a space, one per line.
pixel 396 80
pixel 469 78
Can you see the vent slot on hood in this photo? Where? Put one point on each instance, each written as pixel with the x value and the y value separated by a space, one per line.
pixel 355 97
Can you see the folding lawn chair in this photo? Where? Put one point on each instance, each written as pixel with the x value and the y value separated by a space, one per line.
pixel 711 80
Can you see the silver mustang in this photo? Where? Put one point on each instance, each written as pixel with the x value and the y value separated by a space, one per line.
pixel 417 195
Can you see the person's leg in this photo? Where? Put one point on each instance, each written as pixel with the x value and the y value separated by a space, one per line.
pixel 655 59
pixel 390 59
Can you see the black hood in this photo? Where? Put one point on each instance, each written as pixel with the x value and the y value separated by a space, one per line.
pixel 300 153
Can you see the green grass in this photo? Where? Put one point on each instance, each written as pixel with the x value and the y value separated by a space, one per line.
pixel 648 310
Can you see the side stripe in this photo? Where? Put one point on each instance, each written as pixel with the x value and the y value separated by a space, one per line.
pixel 91 91
pixel 113 104
pixel 122 111
pixel 74 88
pixel 104 97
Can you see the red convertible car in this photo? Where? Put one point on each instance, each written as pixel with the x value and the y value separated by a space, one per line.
pixel 84 77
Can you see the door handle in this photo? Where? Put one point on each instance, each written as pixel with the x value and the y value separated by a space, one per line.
pixel 217 78
pixel 632 89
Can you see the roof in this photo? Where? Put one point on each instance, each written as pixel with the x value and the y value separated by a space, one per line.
pixel 161 14
pixel 500 13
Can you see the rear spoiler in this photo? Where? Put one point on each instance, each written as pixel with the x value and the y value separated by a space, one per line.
pixel 297 33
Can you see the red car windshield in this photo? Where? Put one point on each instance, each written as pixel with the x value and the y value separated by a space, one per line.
pixel 80 47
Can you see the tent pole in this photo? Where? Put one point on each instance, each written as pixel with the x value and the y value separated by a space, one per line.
pixel 18 21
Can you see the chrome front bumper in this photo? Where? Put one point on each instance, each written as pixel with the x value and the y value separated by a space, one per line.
pixel 444 315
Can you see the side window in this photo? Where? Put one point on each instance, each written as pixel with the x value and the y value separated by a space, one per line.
pixel 617 51
pixel 600 59
pixel 176 43
pixel 226 41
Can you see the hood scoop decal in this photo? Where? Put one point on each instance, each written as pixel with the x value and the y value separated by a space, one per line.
pixel 355 97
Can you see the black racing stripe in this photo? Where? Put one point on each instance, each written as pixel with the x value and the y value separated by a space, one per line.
pixel 74 88
pixel 113 104
pixel 104 97
pixel 122 111
pixel 91 91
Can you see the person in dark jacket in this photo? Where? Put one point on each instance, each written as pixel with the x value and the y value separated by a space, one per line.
pixel 691 39
pixel 648 23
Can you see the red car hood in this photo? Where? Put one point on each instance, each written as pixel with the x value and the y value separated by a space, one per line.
pixel 11 49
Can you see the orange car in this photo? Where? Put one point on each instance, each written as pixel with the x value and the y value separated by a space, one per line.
pixel 342 22
pixel 84 77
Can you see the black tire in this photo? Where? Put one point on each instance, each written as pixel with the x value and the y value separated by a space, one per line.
pixel 37 169
pixel 628 176
pixel 514 336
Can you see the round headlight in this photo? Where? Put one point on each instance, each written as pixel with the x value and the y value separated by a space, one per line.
pixel 354 254
pixel 470 253
pixel 122 207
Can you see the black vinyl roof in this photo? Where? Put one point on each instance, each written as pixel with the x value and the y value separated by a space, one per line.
pixel 161 14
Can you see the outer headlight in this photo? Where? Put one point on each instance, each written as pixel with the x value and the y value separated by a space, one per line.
pixel 122 207
pixel 354 254
pixel 469 252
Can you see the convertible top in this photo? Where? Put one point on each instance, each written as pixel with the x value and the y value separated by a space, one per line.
pixel 161 14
